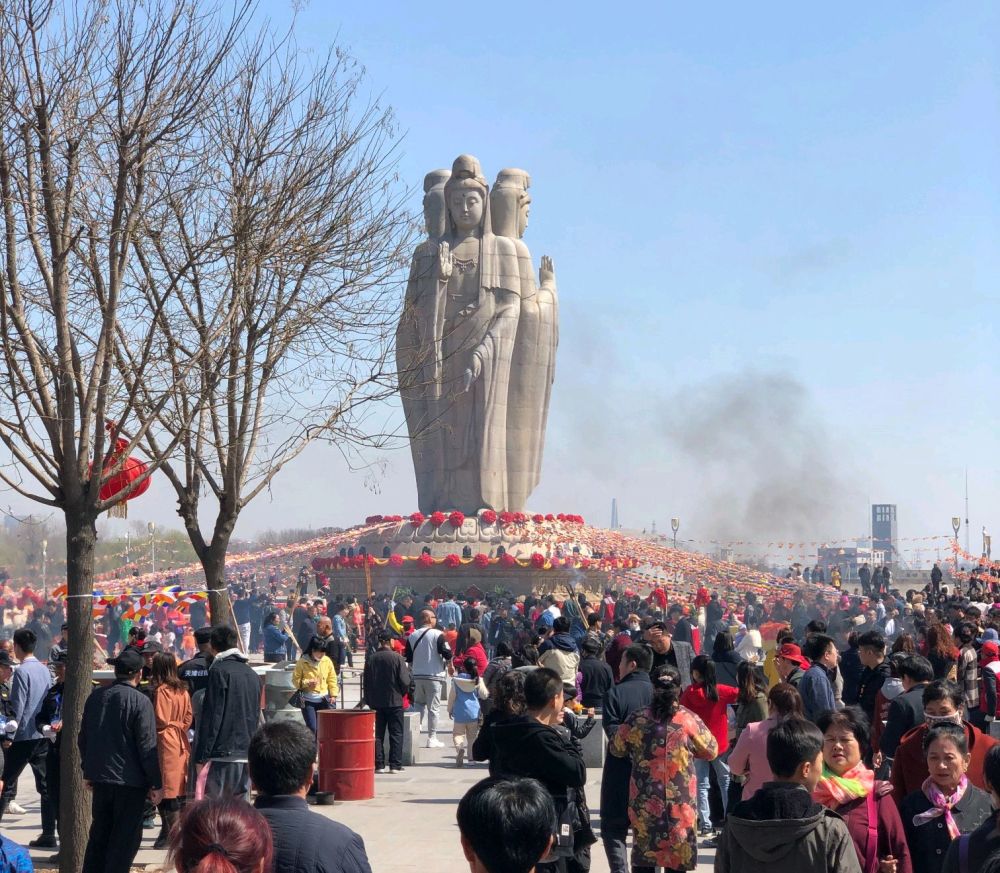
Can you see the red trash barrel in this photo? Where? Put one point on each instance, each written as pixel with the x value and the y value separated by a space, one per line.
pixel 346 753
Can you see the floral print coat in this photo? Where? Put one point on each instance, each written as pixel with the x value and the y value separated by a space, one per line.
pixel 663 789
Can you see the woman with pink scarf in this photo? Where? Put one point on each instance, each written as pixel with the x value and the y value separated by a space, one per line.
pixel 849 788
pixel 947 805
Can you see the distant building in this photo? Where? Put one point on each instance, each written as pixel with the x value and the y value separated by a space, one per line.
pixel 849 559
pixel 884 535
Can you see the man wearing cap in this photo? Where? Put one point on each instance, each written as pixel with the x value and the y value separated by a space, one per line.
pixel 195 670
pixel 118 752
pixel 49 723
pixel 791 664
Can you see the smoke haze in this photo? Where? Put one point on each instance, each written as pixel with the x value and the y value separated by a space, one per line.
pixel 763 457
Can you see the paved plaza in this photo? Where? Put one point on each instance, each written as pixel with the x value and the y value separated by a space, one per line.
pixel 410 822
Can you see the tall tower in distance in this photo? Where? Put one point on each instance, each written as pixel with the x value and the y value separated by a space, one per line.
pixel 884 534
pixel 614 513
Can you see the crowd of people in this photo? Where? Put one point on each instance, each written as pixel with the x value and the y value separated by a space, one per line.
pixel 832 732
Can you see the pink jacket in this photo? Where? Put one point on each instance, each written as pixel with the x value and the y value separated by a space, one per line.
pixel 749 756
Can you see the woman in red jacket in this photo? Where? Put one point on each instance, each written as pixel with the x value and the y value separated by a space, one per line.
pixel 849 788
pixel 708 701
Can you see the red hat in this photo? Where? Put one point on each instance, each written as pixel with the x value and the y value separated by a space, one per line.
pixel 791 652
pixel 989 653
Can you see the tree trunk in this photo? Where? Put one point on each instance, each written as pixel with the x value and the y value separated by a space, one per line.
pixel 74 800
pixel 214 564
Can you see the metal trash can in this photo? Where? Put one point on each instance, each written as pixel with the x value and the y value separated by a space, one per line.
pixel 278 690
pixel 346 753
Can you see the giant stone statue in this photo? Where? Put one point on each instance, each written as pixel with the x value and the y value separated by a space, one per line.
pixel 476 345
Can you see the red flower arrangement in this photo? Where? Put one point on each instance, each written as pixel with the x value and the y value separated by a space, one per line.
pixel 456 519
pixel 538 518
pixel 437 519
pixel 373 519
pixel 395 560
pixel 425 560
pixel 538 561
pixel 452 561
pixel 550 517
pixel 392 518
pixel 488 516
pixel 482 560
pixel 507 560
pixel 417 519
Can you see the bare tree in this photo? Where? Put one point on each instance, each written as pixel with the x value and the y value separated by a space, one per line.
pixel 313 239
pixel 101 103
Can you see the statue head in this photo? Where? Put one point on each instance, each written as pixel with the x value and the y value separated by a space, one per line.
pixel 510 203
pixel 435 212
pixel 508 200
pixel 465 194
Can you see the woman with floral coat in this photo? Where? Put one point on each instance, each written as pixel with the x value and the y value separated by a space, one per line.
pixel 663 741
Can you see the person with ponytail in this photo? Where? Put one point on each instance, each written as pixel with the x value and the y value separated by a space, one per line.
pixel 850 789
pixel 221 836
pixel 709 701
pixel 663 740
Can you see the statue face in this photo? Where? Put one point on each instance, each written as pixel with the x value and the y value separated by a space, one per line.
pixel 466 207
pixel 522 216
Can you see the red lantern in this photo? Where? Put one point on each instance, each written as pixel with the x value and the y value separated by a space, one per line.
pixel 131 470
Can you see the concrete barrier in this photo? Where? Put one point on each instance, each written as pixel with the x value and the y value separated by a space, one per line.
pixel 411 738
pixel 594 745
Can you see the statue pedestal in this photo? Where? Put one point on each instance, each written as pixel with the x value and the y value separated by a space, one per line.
pixel 516 580
pixel 396 548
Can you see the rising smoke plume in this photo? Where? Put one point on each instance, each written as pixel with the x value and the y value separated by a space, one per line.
pixel 765 457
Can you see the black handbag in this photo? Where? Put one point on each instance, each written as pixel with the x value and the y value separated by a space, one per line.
pixel 296 700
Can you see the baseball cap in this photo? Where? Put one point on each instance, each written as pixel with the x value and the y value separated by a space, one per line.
pixel 58 656
pixel 791 652
pixel 129 661
pixel 5 659
pixel 152 647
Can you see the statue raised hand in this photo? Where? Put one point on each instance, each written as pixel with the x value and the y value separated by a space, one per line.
pixel 547 271
pixel 445 260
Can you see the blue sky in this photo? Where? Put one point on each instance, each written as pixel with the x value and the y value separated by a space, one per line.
pixel 735 196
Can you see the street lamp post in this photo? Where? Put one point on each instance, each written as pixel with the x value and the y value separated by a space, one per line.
pixel 152 544
pixel 956 526
pixel 45 555
pixel 675 524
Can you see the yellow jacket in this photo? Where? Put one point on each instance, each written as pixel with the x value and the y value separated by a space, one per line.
pixel 322 671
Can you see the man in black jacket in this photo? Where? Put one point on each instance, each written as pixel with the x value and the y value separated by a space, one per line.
pixel 871 650
pixel 632 693
pixel 117 743
pixel 229 717
pixel 281 766
pixel 596 675
pixel 907 710
pixel 386 680
pixel 195 670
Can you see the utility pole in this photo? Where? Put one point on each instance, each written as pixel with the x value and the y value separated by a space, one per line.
pixel 152 544
pixel 967 549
